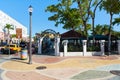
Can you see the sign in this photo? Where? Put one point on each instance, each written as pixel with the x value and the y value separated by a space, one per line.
pixel 18 32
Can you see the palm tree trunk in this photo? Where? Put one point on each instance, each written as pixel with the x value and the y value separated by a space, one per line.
pixel 109 38
pixel 84 20
pixel 9 40
pixel 85 26
pixel 93 30
pixel 93 20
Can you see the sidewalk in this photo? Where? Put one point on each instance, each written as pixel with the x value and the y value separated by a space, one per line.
pixel 59 68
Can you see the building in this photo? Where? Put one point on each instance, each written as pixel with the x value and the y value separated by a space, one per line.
pixel 19 29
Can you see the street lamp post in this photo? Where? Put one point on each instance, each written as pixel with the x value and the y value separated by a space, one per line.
pixel 30 9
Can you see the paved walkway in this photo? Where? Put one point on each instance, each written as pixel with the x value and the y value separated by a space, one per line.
pixel 59 68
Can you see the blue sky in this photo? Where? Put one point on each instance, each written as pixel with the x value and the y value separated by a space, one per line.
pixel 18 9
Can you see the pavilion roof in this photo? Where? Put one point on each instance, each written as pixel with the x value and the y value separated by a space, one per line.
pixel 103 37
pixel 71 34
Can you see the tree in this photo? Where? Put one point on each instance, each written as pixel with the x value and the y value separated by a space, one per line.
pixel 65 14
pixel 87 9
pixel 84 10
pixel 13 36
pixel 96 3
pixel 81 29
pixel 102 29
pixel 116 21
pixel 9 27
pixel 98 29
pixel 116 33
pixel 111 7
pixel 105 29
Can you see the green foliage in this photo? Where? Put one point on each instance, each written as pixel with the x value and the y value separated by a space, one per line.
pixel 73 18
pixel 13 36
pixel 52 8
pixel 9 27
pixel 111 6
pixel 87 10
pixel 95 2
pixel 64 14
pixel 75 48
pixel 116 33
pixel 102 29
pixel 93 48
pixel 116 21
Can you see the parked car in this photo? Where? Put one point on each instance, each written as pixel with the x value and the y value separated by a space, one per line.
pixel 13 48
pixel 1 47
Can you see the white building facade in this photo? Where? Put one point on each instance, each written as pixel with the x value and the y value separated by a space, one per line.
pixel 5 19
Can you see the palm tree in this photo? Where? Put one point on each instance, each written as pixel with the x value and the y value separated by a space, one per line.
pixel 102 29
pixel 111 8
pixel 98 29
pixel 116 21
pixel 105 29
pixel 95 5
pixel 9 27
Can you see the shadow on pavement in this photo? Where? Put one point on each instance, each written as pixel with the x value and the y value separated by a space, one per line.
pixel 115 72
pixel 18 60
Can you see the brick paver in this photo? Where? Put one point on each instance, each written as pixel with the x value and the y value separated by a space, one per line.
pixel 54 68
pixel 27 76
pixel 47 59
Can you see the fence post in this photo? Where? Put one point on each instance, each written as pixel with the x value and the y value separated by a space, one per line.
pixel 102 47
pixel 84 47
pixel 57 42
pixel 65 42
pixel 118 46
pixel 40 45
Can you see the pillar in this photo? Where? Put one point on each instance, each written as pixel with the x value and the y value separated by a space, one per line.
pixel 40 45
pixel 84 47
pixel 102 44
pixel 57 43
pixel 65 42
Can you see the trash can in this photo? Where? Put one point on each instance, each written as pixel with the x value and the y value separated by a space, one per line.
pixel 24 53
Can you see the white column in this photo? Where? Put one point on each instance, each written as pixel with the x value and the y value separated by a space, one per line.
pixel 65 42
pixel 102 47
pixel 84 47
pixel 57 43
pixel 40 45
pixel 118 46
